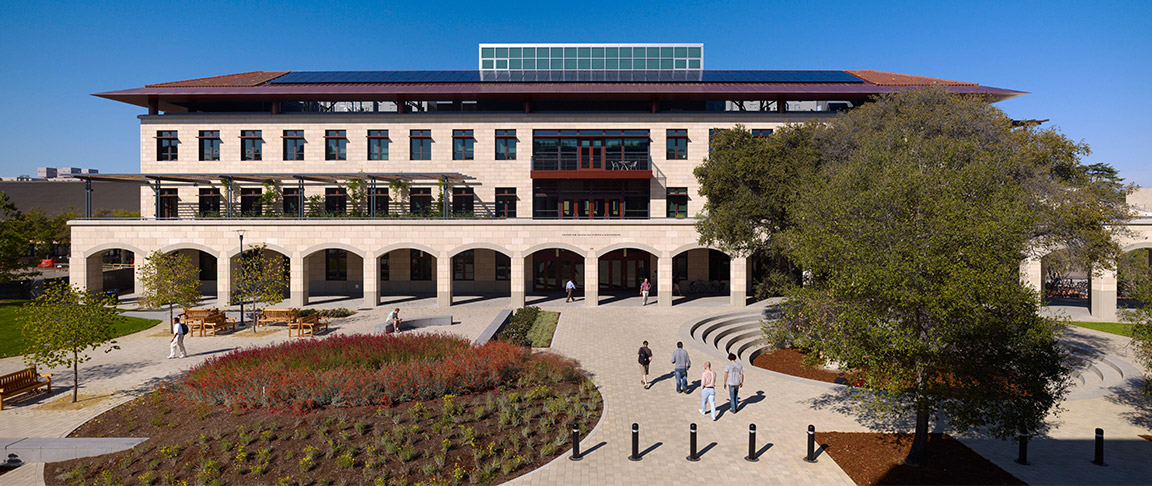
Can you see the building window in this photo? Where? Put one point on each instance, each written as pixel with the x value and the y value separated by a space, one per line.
pixel 251 145
pixel 505 202
pixel 505 144
pixel 293 144
pixel 464 265
pixel 677 202
pixel 381 206
pixel 420 144
pixel 377 144
pixel 166 143
pixel 590 149
pixel 384 271
pixel 335 200
pixel 292 200
pixel 762 133
pixel 250 201
pixel 207 266
pixel 420 200
pixel 169 201
pixel 336 264
pixel 677 144
pixel 335 145
pixel 719 266
pixel 421 265
pixel 503 266
pixel 462 142
pixel 209 202
pixel 209 144
pixel 462 201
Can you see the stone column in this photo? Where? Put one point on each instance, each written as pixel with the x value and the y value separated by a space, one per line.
pixel 1031 274
pixel 1102 296
pixel 664 280
pixel 516 280
pixel 297 282
pixel 223 281
pixel 591 279
pixel 444 280
pixel 78 270
pixel 371 281
pixel 738 279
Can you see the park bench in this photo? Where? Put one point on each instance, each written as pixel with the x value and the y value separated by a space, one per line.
pixel 23 381
pixel 276 316
pixel 307 325
pixel 215 323
pixel 194 318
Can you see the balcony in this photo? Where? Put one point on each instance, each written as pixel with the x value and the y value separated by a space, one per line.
pixel 577 167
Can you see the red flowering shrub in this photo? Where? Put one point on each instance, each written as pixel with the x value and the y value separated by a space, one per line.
pixel 359 370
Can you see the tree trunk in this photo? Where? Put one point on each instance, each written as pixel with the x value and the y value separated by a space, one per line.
pixel 920 440
pixel 171 308
pixel 75 376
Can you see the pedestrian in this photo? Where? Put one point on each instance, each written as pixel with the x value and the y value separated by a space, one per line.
pixel 570 286
pixel 676 286
pixel 681 363
pixel 644 288
pixel 644 358
pixel 178 332
pixel 708 389
pixel 393 321
pixel 733 380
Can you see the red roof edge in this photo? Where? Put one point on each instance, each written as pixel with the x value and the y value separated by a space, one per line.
pixel 248 79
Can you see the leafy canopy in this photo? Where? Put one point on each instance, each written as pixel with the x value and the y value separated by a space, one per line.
pixel 260 277
pixel 169 279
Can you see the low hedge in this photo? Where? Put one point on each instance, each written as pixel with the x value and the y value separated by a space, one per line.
pixel 333 313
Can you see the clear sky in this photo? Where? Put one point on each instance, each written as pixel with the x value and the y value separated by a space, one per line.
pixel 1087 65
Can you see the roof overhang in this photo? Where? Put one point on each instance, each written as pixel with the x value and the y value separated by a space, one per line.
pixel 265 177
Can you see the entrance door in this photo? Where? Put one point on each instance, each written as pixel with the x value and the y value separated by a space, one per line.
pixel 591 154
pixel 620 272
pixel 551 272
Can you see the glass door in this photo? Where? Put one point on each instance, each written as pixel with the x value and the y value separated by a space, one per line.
pixel 591 154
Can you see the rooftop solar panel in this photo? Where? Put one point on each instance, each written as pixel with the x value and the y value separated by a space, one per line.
pixel 718 76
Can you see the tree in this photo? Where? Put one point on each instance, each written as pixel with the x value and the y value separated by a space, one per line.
pixel 13 243
pixel 260 279
pixel 1136 273
pixel 46 233
pixel 912 231
pixel 169 279
pixel 63 323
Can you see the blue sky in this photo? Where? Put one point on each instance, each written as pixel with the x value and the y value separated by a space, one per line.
pixel 1087 65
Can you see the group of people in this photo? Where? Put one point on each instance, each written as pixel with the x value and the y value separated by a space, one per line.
pixel 681 363
pixel 645 288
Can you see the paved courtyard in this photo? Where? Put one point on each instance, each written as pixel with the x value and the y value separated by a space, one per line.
pixel 605 339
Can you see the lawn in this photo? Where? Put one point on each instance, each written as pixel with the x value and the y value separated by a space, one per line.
pixel 1118 328
pixel 12 335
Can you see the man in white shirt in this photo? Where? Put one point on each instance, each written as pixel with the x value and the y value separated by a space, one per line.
pixel 177 339
pixel 570 287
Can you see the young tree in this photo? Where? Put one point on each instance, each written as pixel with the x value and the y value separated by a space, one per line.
pixel 13 243
pixel 46 233
pixel 63 323
pixel 260 279
pixel 913 231
pixel 169 279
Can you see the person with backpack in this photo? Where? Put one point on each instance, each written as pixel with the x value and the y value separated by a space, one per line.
pixel 645 357
pixel 179 330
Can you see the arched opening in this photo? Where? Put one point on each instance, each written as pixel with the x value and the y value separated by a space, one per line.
pixel 112 271
pixel 1132 266
pixel 205 263
pixel 481 275
pixel 1066 282
pixel 547 271
pixel 236 273
pixel 702 276
pixel 622 272
pixel 333 277
pixel 407 275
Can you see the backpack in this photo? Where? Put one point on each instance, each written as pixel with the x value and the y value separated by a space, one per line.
pixel 183 328
pixel 644 357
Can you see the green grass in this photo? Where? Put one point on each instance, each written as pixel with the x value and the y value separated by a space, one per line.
pixel 12 329
pixel 1118 328
pixel 541 332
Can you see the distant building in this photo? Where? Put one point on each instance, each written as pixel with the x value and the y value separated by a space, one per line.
pixel 46 172
pixel 63 172
pixel 57 195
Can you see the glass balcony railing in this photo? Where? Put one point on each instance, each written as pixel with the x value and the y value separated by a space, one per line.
pixel 559 162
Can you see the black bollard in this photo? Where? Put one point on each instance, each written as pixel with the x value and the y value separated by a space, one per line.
pixel 635 442
pixel 811 444
pixel 575 443
pixel 751 443
pixel 692 444
pixel 1022 458
pixel 1099 461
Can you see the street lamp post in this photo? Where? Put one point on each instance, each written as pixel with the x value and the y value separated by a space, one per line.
pixel 241 234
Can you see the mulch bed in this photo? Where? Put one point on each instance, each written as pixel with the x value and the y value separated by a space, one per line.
pixel 875 458
pixel 790 361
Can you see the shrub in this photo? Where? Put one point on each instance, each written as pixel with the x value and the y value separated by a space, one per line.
pixel 516 331
pixel 333 313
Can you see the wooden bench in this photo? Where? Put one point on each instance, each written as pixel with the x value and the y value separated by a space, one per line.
pixel 23 381
pixel 276 316
pixel 307 325
pixel 216 322
pixel 194 319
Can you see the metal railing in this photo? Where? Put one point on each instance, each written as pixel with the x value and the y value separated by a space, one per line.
pixel 560 162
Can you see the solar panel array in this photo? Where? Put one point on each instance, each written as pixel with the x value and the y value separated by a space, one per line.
pixel 361 77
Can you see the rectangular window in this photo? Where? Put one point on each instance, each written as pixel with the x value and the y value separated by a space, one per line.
pixel 677 144
pixel 761 133
pixel 503 266
pixel 209 144
pixel 505 202
pixel 169 201
pixel 336 264
pixel 250 201
pixel 292 200
pixel 462 142
pixel 463 201
pixel 385 272
pixel 420 145
pixel 251 145
pixel 420 200
pixel 335 145
pixel 293 144
pixel 209 202
pixel 505 144
pixel 381 201
pixel 464 265
pixel 166 143
pixel 421 266
pixel 677 202
pixel 335 200
pixel 377 144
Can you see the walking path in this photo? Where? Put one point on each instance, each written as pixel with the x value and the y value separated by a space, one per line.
pixel 605 340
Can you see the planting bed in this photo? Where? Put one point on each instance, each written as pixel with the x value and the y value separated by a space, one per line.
pixel 874 458
pixel 790 361
pixel 458 415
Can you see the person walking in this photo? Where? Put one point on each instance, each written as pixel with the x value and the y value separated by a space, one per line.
pixel 393 320
pixel 178 332
pixel 708 389
pixel 645 357
pixel 733 380
pixel 570 287
pixel 681 363
pixel 644 288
